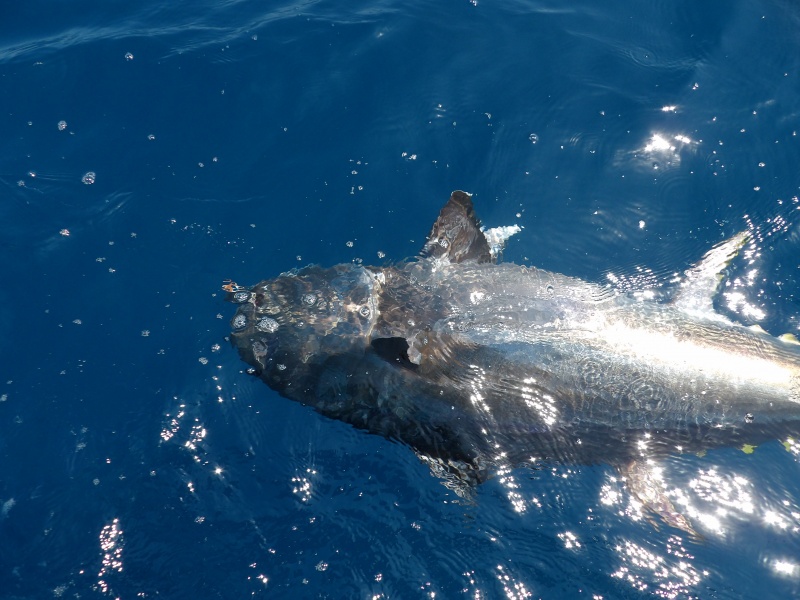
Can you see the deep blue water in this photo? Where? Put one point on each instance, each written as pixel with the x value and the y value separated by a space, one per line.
pixel 239 139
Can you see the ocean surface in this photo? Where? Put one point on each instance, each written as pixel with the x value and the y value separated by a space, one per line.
pixel 151 150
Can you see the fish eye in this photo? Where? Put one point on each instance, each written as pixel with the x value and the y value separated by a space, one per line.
pixel 239 321
pixel 267 324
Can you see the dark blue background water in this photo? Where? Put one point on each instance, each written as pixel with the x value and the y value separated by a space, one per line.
pixel 241 139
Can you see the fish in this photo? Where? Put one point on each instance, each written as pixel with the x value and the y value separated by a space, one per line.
pixel 479 365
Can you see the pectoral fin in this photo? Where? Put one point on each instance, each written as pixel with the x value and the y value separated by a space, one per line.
pixel 393 350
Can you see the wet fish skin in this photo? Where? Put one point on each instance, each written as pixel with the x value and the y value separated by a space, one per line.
pixel 477 365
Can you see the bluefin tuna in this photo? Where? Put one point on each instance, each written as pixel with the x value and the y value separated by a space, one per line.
pixel 479 365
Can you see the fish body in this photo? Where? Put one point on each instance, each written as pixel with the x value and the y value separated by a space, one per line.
pixel 477 365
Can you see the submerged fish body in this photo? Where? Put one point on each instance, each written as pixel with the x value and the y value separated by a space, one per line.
pixel 476 365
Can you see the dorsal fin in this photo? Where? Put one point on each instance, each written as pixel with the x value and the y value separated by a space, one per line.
pixel 456 234
pixel 700 283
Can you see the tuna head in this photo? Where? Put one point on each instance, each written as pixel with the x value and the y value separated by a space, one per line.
pixel 342 339
pixel 288 327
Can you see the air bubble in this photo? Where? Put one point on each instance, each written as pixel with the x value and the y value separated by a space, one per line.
pixel 89 178
pixel 308 299
pixel 267 325
pixel 62 125
pixel 533 138
pixel 241 296
pixel 128 56
pixel 239 321
pixel 364 311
